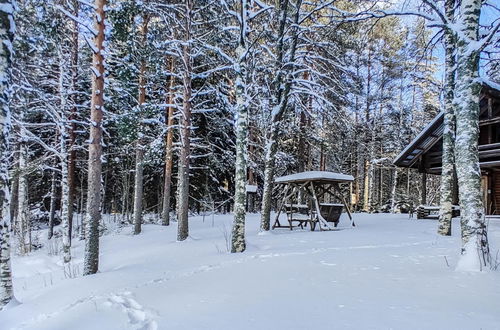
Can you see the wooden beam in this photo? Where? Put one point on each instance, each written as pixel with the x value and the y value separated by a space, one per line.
pixel 423 197
pixel 337 188
pixel 489 146
pixel 489 121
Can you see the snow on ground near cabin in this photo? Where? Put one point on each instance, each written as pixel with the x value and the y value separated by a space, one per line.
pixel 387 273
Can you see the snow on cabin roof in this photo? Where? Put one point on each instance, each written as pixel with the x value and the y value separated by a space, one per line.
pixel 423 141
pixel 315 176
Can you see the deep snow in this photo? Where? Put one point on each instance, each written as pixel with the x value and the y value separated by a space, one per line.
pixel 389 272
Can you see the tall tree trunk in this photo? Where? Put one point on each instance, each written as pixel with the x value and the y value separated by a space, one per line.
pixel 366 186
pixel 22 203
pixel 169 150
pixel 6 35
pixel 185 127
pixel 448 159
pixel 138 186
pixel 66 240
pixel 91 263
pixel 284 85
pixel 141 141
pixel 14 192
pixel 72 125
pixel 238 233
pixel 393 190
pixel 52 209
pixel 475 248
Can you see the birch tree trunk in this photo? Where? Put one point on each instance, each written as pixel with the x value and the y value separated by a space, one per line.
pixel 139 155
pixel 238 233
pixel 448 159
pixel 91 263
pixel 475 248
pixel 169 139
pixel 52 210
pixel 366 187
pixel 6 35
pixel 66 241
pixel 393 190
pixel 185 127
pixel 22 201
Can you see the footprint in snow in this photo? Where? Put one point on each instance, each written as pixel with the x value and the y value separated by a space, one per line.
pixel 138 317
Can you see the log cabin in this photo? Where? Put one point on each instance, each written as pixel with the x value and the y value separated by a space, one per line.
pixel 424 153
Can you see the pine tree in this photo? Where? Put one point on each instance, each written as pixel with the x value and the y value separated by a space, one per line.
pixel 185 128
pixel 140 143
pixel 91 264
pixel 169 139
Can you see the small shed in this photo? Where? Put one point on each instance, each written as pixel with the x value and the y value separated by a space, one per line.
pixel 302 199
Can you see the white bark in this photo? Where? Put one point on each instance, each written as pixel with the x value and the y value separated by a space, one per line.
pixel 6 35
pixel 238 233
pixel 65 221
pixel 475 248
pixel 448 159
pixel 22 202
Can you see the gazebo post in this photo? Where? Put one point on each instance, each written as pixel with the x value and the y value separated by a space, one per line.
pixel 281 207
pixel 337 189
pixel 321 220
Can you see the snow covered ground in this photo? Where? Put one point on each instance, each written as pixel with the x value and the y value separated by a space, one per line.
pixel 389 272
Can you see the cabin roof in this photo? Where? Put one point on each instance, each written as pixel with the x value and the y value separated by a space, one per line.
pixel 431 134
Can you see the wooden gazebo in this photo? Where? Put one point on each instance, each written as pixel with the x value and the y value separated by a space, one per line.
pixel 303 199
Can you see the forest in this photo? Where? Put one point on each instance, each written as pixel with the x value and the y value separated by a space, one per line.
pixel 130 113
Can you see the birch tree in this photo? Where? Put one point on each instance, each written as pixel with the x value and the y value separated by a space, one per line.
pixel 475 248
pixel 238 234
pixel 91 263
pixel 448 158
pixel 7 30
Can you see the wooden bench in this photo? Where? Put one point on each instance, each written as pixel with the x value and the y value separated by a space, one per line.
pixel 299 213
pixel 428 211
pixel 331 212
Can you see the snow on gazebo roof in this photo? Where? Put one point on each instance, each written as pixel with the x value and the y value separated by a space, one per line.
pixel 321 176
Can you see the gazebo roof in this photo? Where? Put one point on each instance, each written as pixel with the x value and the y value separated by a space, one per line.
pixel 317 176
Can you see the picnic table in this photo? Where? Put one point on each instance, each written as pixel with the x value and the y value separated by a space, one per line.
pixel 311 186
